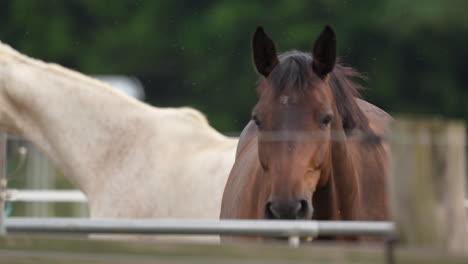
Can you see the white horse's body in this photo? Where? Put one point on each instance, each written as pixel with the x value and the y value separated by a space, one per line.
pixel 130 159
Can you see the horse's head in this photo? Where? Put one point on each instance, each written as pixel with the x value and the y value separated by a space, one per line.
pixel 294 116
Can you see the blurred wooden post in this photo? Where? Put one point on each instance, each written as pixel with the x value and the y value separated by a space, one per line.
pixel 427 183
pixel 40 175
pixel 3 179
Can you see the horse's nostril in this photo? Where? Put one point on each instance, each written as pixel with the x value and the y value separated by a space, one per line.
pixel 302 209
pixel 270 211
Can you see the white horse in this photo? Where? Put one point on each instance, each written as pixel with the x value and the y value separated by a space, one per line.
pixel 131 160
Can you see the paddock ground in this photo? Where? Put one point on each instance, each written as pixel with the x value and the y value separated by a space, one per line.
pixel 22 249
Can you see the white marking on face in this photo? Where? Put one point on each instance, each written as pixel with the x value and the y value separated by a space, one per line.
pixel 284 99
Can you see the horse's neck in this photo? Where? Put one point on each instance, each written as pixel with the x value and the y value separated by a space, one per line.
pixel 340 198
pixel 77 121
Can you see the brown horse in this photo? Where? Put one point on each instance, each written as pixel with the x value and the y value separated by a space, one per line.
pixel 313 149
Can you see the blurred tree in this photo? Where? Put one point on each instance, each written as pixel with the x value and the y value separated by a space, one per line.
pixel 197 53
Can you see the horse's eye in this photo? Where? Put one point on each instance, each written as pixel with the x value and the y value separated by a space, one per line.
pixel 326 119
pixel 257 120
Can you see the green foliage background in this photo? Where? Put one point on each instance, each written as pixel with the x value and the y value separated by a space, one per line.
pixel 197 53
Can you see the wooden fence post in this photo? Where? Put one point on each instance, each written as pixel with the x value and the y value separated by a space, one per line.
pixel 427 175
pixel 40 175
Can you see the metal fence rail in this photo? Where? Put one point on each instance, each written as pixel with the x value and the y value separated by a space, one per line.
pixel 73 196
pixel 272 228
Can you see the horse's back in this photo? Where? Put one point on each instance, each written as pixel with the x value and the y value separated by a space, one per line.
pixel 248 133
pixel 374 164
pixel 379 120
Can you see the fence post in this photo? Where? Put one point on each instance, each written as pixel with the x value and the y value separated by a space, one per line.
pixel 40 174
pixel 426 183
pixel 3 179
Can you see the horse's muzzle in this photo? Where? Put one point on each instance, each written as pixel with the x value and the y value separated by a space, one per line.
pixel 300 209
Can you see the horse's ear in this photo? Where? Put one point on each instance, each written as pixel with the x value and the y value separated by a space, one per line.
pixel 264 52
pixel 324 52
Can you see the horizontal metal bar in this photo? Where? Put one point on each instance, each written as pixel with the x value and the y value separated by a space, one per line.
pixel 196 227
pixel 74 196
pixel 371 228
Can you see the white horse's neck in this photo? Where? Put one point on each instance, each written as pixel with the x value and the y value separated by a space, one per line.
pixel 69 116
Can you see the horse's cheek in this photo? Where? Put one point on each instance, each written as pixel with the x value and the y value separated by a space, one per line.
pixel 312 178
pixel 320 156
pixel 263 155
